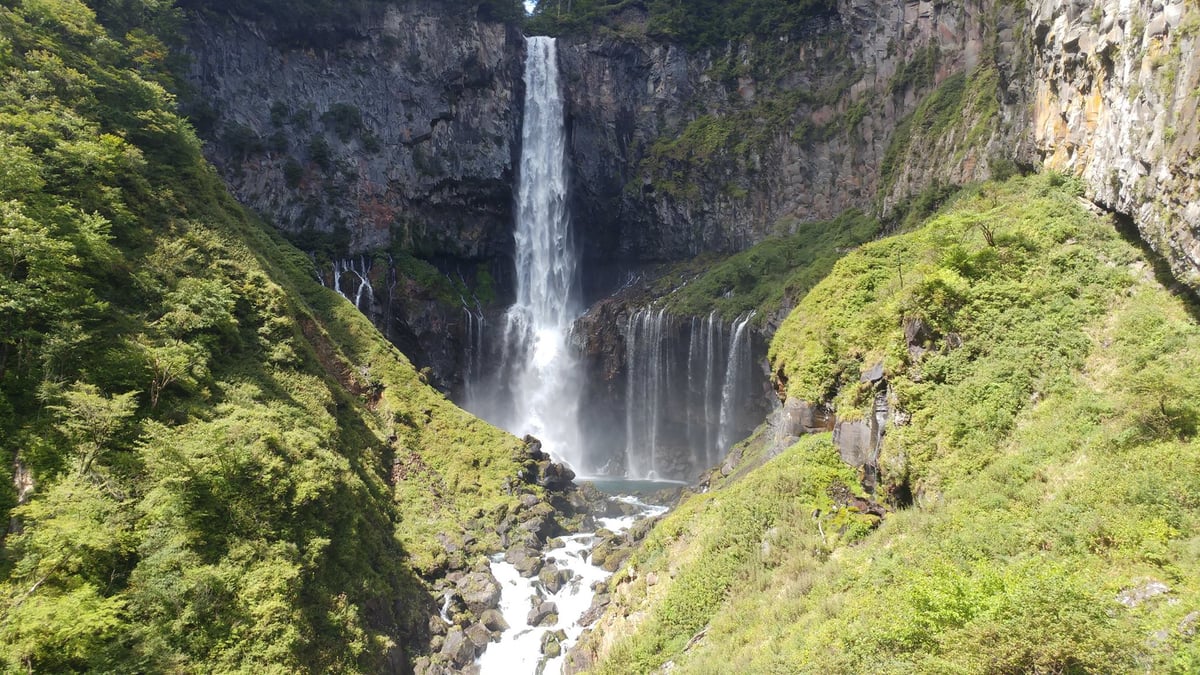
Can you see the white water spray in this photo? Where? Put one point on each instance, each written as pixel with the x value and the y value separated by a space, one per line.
pixel 538 384
pixel 737 369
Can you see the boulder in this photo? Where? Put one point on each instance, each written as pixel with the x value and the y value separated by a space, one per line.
pixel 799 417
pixel 526 559
pixel 615 558
pixel 552 643
pixel 458 648
pixel 479 635
pixel 553 578
pixel 872 374
pixel 533 448
pixel 544 613
pixel 493 620
pixel 855 441
pixel 479 591
pixel 555 476
pixel 542 527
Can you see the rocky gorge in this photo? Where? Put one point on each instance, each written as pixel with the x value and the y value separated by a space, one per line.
pixel 617 336
pixel 403 139
pixel 392 158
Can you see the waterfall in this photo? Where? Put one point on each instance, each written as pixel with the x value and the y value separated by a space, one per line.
pixel 705 365
pixel 684 409
pixel 358 290
pixel 537 386
pixel 736 387
pixel 474 355
pixel 647 386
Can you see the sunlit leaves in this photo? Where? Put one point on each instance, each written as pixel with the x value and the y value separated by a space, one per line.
pixel 91 420
pixel 61 631
pixel 198 305
pixel 55 615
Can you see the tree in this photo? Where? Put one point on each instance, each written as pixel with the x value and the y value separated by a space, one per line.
pixel 90 420
pixel 171 362
pixel 54 615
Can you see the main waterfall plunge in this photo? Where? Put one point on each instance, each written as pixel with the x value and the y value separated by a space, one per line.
pixel 689 383
pixel 535 388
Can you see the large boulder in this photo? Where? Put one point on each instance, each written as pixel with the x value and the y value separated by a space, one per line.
pixel 479 591
pixel 554 476
pixel 479 635
pixel 527 560
pixel 552 642
pixel 554 578
pixel 543 614
pixel 458 648
pixel 493 620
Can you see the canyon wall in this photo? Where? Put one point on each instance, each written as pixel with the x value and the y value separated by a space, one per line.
pixel 679 153
pixel 405 138
pixel 1113 89
pixel 405 135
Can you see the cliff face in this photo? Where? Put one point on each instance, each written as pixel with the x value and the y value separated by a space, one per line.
pixel 1114 88
pixel 402 139
pixel 406 135
pixel 676 153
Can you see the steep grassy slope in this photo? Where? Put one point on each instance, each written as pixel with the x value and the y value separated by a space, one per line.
pixel 1044 420
pixel 770 275
pixel 218 464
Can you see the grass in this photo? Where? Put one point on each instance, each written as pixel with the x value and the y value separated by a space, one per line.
pixel 1049 441
pixel 770 275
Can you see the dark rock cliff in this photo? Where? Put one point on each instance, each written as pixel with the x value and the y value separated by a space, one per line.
pixel 405 137
pixel 401 138
pixel 677 153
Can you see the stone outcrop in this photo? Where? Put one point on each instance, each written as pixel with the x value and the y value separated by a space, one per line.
pixel 405 135
pixel 1113 99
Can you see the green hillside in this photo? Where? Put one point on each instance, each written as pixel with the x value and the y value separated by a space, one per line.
pixel 219 465
pixel 1040 466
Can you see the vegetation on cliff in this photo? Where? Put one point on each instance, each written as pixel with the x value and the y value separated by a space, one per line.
pixel 694 23
pixel 1040 455
pixel 326 23
pixel 219 464
pixel 767 277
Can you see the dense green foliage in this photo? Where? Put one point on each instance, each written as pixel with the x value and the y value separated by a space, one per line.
pixel 770 275
pixel 1047 430
pixel 695 23
pixel 224 467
